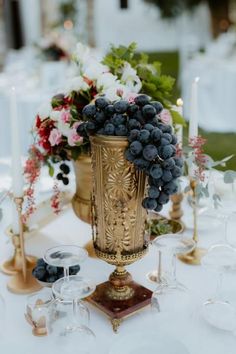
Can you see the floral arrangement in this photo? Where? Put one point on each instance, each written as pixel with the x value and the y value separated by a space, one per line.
pixel 57 136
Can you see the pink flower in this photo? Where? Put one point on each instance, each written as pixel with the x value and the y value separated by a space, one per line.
pixel 54 137
pixel 74 138
pixel 65 116
pixel 165 116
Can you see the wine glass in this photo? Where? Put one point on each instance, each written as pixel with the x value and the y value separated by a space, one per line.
pixel 65 256
pixel 65 324
pixel 218 310
pixel 171 245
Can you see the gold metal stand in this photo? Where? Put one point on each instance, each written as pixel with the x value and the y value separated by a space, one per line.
pixel 14 265
pixel 23 281
pixel 176 212
pixel 194 257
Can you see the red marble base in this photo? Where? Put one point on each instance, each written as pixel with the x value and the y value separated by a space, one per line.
pixel 117 310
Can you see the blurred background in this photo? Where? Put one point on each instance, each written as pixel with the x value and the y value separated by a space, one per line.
pixel 189 37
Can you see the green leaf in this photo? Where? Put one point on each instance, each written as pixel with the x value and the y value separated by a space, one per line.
pixel 177 118
pixel 50 170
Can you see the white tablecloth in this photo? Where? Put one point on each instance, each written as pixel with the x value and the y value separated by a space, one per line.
pixel 188 326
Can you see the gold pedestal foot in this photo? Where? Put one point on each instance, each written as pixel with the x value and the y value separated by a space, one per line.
pixel 13 266
pixel 18 285
pixel 193 257
pixel 116 322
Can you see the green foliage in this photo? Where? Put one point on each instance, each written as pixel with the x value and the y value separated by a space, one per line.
pixel 154 84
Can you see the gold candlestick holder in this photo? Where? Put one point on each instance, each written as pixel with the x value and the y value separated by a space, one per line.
pixel 195 256
pixel 176 211
pixel 14 264
pixel 22 282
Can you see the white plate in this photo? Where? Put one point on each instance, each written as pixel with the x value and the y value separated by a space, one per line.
pixel 142 342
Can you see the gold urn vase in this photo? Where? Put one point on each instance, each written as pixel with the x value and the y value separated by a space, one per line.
pixel 81 201
pixel 118 222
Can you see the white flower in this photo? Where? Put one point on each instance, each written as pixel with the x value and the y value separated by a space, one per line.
pixel 106 81
pixel 82 53
pixel 93 70
pixel 44 110
pixel 130 78
pixel 76 84
pixel 116 92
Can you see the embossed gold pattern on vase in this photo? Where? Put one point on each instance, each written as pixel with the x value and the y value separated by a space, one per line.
pixel 81 201
pixel 118 218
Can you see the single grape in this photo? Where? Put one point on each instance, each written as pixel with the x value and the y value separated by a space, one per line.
pixel 121 106
pixel 121 130
pixel 51 269
pixel 179 161
pixel 166 151
pixel 156 171
pixel 144 136
pixel 176 172
pixel 65 181
pixel 89 111
pixel 174 139
pixel 141 100
pixel 149 203
pixel 149 111
pixel 100 117
pixel 148 127
pixel 157 105
pixel 150 152
pixel 156 135
pixel 129 156
pixel 133 124
pixel 168 164
pixel 158 208
pixel 65 168
pixel 136 148
pixel 141 164
pixel 60 176
pixel 153 192
pixel 170 188
pixel 101 102
pixel 132 109
pixel 166 176
pixel 133 135
pixel 109 110
pixel 109 129
pixel 163 198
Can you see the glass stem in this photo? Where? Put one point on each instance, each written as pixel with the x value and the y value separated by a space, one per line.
pixel 66 272
pixel 75 308
pixel 173 269
pixel 159 270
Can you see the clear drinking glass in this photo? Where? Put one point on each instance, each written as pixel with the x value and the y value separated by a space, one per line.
pixel 170 245
pixel 65 256
pixel 218 310
pixel 37 310
pixel 66 323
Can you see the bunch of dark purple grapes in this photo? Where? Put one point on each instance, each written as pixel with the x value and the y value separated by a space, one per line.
pixel 152 144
